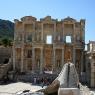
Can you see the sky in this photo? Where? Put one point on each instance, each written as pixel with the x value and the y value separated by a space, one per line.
pixel 57 9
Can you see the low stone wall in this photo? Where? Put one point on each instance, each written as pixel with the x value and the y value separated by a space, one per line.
pixel 5 58
pixel 4 68
pixel 5 53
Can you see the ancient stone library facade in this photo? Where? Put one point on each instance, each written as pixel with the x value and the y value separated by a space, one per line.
pixel 47 44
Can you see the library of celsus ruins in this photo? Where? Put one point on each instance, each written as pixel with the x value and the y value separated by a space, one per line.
pixel 47 44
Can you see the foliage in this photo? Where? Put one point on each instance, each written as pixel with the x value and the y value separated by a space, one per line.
pixel 6 42
pixel 6 29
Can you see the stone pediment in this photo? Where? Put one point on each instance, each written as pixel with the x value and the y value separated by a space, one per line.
pixel 69 19
pixel 47 19
pixel 28 18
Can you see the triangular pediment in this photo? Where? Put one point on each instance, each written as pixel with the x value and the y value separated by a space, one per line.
pixel 69 19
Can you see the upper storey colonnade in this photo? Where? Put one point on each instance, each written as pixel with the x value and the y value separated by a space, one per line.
pixel 48 30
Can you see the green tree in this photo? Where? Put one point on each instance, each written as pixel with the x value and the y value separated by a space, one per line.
pixel 6 42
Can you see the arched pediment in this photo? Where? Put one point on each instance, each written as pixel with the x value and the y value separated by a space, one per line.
pixel 48 18
pixel 28 18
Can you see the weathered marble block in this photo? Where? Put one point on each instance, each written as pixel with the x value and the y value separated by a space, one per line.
pixel 68 91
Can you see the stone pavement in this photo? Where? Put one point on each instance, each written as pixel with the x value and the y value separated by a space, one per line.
pixel 93 90
pixel 13 88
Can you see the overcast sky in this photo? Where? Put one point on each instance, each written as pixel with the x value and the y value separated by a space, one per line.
pixel 58 9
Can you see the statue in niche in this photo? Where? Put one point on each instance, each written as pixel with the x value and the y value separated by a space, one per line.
pixel 69 54
pixel 58 37
pixel 58 63
pixel 38 36
pixel 78 37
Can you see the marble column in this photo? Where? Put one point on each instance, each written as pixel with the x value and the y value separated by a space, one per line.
pixel 81 69
pixel 63 38
pixel 82 61
pixel 42 32
pixel 33 33
pixel 74 55
pixel 62 57
pixel 54 32
pixel 33 59
pixel 22 50
pixel 32 36
pixel 25 60
pixel 22 58
pixel 54 66
pixel 41 61
pixel 74 40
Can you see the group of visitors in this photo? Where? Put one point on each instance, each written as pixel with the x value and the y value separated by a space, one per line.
pixel 43 81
